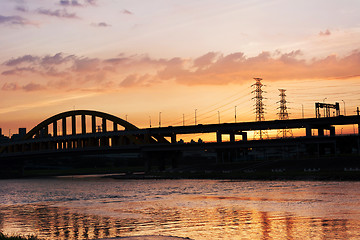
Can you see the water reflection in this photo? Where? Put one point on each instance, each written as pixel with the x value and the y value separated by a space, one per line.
pixel 198 209
pixel 200 223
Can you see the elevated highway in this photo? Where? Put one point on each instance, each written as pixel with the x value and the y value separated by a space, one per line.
pixel 46 141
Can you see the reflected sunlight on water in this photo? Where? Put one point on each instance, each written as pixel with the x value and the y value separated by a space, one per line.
pixel 198 209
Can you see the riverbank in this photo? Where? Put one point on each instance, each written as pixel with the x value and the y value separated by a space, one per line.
pixel 150 237
pixel 346 168
pixel 16 237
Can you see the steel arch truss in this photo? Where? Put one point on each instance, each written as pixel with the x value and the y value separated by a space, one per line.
pixel 79 136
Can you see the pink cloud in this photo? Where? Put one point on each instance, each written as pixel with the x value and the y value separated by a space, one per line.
pixel 141 70
pixel 127 12
pixel 325 33
pixel 63 13
pixel 14 20
pixel 101 24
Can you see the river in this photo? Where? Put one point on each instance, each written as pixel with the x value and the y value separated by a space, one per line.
pixel 90 208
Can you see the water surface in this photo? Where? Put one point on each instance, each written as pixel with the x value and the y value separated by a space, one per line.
pixel 90 208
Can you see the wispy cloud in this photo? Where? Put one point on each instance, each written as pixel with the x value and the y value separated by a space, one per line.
pixel 325 33
pixel 20 71
pixel 213 68
pixel 22 9
pixel 20 60
pixel 60 13
pixel 126 12
pixel 27 87
pixel 77 3
pixel 101 24
pixel 14 20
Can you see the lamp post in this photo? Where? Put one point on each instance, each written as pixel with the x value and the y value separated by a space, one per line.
pixel 302 110
pixel 195 116
pixel 344 107
pixel 324 108
pixel 235 114
pixel 159 119
pixel 150 120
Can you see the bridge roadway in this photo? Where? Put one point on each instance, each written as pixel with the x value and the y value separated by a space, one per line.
pixel 241 128
pixel 83 141
pixel 149 144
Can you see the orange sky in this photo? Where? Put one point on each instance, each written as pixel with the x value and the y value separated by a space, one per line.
pixel 137 59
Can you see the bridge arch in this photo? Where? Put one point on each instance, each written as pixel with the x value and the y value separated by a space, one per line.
pixel 43 126
pixel 38 138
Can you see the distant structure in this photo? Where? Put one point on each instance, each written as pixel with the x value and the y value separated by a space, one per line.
pixel 327 108
pixel 259 106
pixel 283 115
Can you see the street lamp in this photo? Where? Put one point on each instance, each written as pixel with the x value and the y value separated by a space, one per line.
pixel 195 116
pixel 344 108
pixel 302 108
pixel 150 120
pixel 159 119
pixel 235 114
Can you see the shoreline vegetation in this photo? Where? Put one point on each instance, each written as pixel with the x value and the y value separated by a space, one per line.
pixel 17 237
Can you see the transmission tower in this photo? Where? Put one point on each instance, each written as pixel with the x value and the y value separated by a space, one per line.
pixel 283 114
pixel 259 106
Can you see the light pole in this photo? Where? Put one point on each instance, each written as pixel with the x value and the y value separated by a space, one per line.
pixel 302 108
pixel 195 116
pixel 159 119
pixel 125 117
pixel 150 120
pixel 235 114
pixel 344 108
pixel 219 116
pixel 324 108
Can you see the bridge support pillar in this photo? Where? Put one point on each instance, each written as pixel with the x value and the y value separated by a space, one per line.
pixel 173 138
pixel 83 124
pixel 232 137
pixel 359 129
pixel 332 131
pixel 104 142
pixel 218 137
pixel 64 126
pixel 73 125
pixel 104 125
pixel 93 124
pixel 244 136
pixel 55 128
pixel 91 142
pixel 114 141
pixel 308 131
pixel 320 131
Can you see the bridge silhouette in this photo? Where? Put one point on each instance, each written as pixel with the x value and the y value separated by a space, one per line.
pixel 77 133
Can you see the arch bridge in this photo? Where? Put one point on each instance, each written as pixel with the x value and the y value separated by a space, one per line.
pixel 80 129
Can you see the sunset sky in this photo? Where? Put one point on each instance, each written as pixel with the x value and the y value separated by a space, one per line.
pixel 135 59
